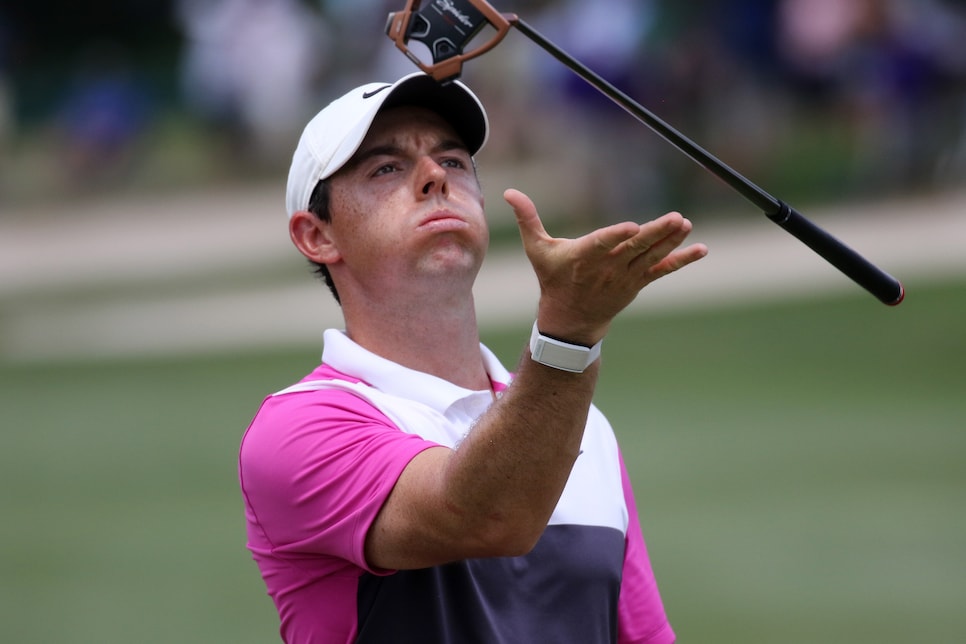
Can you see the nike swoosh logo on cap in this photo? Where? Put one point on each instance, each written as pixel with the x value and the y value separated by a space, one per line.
pixel 375 91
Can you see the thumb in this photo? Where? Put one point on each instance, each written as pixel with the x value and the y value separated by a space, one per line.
pixel 531 228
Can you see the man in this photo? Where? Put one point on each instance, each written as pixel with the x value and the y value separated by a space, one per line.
pixel 410 489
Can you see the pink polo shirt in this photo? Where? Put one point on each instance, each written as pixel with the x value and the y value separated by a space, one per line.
pixel 320 458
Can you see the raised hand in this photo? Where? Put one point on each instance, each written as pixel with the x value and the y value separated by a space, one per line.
pixel 585 282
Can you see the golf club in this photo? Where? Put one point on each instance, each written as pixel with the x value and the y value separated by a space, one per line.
pixel 447 27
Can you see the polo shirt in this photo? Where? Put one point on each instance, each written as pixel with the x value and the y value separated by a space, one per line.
pixel 319 460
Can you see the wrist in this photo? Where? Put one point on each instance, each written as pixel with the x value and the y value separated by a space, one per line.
pixel 570 324
pixel 562 354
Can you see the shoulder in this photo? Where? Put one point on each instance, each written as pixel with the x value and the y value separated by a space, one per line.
pixel 311 413
pixel 323 394
pixel 308 443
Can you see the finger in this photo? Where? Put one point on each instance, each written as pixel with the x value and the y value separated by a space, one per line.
pixel 619 238
pixel 675 261
pixel 528 219
pixel 647 236
pixel 675 234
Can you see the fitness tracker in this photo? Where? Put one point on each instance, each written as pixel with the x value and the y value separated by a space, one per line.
pixel 561 355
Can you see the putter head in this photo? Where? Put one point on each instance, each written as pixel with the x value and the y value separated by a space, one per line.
pixel 445 28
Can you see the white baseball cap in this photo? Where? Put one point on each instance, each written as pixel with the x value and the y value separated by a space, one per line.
pixel 334 134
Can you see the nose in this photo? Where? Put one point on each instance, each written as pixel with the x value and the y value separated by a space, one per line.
pixel 431 178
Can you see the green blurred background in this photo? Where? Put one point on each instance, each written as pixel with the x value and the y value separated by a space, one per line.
pixel 799 460
pixel 799 468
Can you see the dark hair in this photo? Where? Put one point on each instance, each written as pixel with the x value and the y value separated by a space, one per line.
pixel 319 206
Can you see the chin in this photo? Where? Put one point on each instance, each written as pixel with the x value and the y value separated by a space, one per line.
pixel 454 259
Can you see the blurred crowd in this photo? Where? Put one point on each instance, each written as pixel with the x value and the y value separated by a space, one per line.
pixel 828 97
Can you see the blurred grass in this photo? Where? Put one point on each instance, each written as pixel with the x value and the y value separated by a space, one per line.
pixel 799 466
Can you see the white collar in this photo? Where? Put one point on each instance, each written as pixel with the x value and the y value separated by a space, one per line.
pixel 344 355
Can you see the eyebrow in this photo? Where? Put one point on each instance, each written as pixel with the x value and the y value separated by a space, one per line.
pixel 389 149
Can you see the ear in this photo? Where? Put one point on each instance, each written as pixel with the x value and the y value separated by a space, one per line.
pixel 313 237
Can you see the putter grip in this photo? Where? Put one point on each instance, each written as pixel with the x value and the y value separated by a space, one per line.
pixel 882 285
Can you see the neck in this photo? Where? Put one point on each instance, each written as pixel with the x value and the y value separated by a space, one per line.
pixel 437 339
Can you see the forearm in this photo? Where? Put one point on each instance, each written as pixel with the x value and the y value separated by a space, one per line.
pixel 509 472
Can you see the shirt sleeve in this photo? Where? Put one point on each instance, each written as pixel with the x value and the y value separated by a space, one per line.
pixel 316 468
pixel 640 612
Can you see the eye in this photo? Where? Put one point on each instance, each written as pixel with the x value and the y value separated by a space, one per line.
pixel 453 162
pixel 385 168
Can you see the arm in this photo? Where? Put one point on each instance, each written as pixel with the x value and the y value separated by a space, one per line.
pixel 494 494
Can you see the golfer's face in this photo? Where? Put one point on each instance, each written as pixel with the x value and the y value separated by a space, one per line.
pixel 409 201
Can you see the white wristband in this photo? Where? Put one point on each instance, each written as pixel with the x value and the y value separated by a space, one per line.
pixel 562 355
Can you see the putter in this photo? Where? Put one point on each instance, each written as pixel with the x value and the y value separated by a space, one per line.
pixel 447 27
